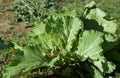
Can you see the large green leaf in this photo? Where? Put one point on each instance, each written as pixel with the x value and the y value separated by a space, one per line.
pixel 4 49
pixel 23 62
pixel 96 19
pixel 76 26
pixel 93 14
pixel 89 45
pixel 104 65
pixel 90 48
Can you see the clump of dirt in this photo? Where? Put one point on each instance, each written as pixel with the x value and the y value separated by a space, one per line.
pixel 3 22
pixel 20 27
pixel 7 30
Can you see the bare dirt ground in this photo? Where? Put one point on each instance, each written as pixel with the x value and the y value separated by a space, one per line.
pixel 6 18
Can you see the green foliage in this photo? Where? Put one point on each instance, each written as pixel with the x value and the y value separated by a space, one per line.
pixel 101 18
pixel 4 48
pixel 30 10
pixel 63 39
pixel 23 62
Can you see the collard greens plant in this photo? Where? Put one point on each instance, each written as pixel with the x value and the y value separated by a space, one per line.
pixel 65 39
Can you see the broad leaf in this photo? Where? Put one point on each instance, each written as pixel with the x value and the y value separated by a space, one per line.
pixel 90 48
pixel 104 65
pixel 93 14
pixel 23 62
pixel 89 45
pixel 96 19
pixel 4 49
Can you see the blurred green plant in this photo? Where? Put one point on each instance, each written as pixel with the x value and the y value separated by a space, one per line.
pixel 31 10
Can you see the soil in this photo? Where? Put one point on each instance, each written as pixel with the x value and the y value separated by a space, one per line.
pixel 6 19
